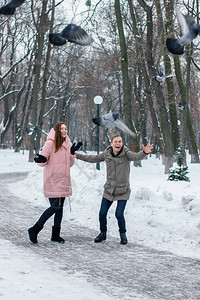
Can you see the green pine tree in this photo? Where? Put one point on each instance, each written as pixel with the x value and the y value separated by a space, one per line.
pixel 179 173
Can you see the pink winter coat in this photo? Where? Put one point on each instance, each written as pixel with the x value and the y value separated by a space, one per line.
pixel 56 177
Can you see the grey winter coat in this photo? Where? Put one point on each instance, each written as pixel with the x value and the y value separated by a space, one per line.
pixel 117 186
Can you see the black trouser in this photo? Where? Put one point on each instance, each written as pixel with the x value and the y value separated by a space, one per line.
pixel 119 214
pixel 55 208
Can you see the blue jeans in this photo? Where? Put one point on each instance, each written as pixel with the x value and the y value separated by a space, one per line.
pixel 55 208
pixel 119 214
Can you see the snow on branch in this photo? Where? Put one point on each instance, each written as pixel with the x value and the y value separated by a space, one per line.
pixel 2 128
pixel 7 94
pixel 48 112
pixel 13 66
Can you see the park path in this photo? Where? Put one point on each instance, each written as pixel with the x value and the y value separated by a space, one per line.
pixel 126 272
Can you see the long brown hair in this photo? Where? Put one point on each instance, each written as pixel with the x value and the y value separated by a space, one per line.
pixel 59 139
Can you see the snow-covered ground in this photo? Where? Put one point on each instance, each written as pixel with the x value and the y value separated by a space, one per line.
pixel 160 214
pixel 25 275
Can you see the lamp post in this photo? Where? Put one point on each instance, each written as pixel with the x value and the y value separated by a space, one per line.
pixel 98 100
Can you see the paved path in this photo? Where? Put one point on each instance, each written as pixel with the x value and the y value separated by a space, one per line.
pixel 127 272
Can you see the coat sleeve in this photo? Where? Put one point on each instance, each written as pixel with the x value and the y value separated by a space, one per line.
pixel 91 158
pixel 46 150
pixel 133 156
pixel 72 160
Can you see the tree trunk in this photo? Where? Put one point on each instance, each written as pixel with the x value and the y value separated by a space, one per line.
pixel 165 126
pixel 169 6
pixel 187 124
pixel 125 77
pixel 44 82
pixel 149 96
pixel 37 68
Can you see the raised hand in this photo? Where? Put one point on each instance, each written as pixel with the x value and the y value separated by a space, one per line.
pixel 148 148
pixel 75 147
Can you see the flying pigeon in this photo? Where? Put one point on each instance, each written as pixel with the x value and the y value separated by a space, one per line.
pixel 182 105
pixel 9 9
pixel 189 31
pixel 71 33
pixel 161 76
pixel 34 129
pixel 112 120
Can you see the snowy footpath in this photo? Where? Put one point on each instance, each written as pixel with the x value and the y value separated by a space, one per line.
pixel 81 269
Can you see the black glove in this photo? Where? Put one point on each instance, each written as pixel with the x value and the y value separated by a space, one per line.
pixel 75 147
pixel 40 159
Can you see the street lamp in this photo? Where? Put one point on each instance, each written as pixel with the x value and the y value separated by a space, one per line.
pixel 98 100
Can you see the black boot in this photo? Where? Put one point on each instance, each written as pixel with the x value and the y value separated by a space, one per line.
pixel 123 238
pixel 101 237
pixel 56 235
pixel 33 232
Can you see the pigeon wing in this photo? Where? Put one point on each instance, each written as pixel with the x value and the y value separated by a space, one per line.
pixel 75 34
pixel 190 21
pixel 169 75
pixel 44 132
pixel 119 123
pixel 159 79
pixel 160 71
pixel 16 3
pixel 9 9
pixel 193 26
pixel 39 130
pixel 184 28
pixel 108 121
pixel 29 131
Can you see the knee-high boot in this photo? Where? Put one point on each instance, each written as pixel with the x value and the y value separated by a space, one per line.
pixel 33 232
pixel 56 235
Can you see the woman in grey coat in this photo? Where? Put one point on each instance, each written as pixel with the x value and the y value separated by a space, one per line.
pixel 117 186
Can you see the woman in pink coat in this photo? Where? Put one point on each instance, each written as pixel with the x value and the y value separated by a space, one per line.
pixel 57 157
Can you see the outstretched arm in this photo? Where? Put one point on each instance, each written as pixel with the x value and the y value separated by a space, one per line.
pixel 134 156
pixel 90 158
